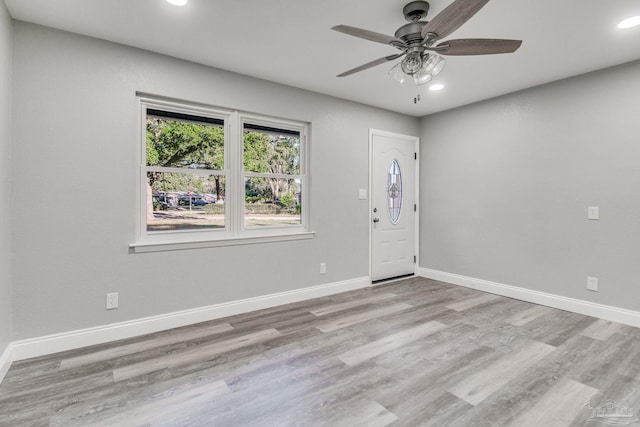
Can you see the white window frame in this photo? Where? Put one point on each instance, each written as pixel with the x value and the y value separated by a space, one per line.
pixel 302 176
pixel 234 231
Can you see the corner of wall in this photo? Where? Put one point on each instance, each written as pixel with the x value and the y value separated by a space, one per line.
pixel 6 125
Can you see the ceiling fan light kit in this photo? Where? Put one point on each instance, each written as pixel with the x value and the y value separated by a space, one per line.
pixel 422 77
pixel 416 41
pixel 397 73
pixel 412 63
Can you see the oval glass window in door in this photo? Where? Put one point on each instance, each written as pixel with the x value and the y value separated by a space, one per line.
pixel 394 191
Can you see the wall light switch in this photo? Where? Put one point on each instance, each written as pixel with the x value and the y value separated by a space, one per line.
pixel 593 212
pixel 363 194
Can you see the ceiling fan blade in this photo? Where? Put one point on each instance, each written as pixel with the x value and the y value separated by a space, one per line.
pixel 452 17
pixel 477 46
pixel 368 35
pixel 370 64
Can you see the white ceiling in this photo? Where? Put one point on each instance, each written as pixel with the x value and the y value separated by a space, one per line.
pixel 290 42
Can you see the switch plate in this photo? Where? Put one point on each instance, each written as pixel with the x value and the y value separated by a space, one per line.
pixel 592 284
pixel 112 301
pixel 362 194
pixel 323 268
pixel 593 212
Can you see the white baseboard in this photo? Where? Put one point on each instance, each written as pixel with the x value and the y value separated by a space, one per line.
pixel 40 346
pixel 5 361
pixel 606 312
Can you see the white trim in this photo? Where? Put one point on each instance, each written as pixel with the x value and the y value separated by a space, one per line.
pixel 49 344
pixel 5 361
pixel 606 312
pixel 302 128
pixel 174 245
pixel 416 212
pixel 148 102
pixel 416 196
pixel 234 231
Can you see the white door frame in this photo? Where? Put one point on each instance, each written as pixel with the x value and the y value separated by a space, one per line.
pixel 416 141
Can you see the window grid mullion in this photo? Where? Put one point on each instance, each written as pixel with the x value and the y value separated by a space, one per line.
pixel 192 171
pixel 271 175
pixel 236 206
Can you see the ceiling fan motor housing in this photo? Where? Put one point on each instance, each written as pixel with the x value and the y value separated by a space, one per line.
pixel 411 32
pixel 415 10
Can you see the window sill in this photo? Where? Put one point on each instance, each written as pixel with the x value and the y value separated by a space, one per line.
pixel 159 246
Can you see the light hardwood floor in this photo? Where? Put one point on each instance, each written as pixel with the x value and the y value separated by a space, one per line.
pixel 414 352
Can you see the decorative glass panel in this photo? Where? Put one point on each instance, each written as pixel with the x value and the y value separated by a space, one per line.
pixel 394 192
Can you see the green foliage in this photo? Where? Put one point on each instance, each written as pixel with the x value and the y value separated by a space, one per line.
pixel 270 153
pixel 284 155
pixel 153 158
pixel 181 182
pixel 157 206
pixel 175 143
pixel 256 199
pixel 256 152
pixel 287 200
pixel 258 189
pixel 181 144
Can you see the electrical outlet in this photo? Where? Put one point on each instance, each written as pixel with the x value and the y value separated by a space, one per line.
pixel 592 284
pixel 593 213
pixel 112 301
pixel 323 268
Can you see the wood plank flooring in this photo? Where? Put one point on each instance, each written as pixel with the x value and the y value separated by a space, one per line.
pixel 413 352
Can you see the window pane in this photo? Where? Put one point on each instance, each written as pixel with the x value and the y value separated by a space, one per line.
pixel 177 201
pixel 184 144
pixel 270 150
pixel 272 202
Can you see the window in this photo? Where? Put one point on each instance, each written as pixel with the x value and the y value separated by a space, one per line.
pixel 272 178
pixel 185 177
pixel 215 175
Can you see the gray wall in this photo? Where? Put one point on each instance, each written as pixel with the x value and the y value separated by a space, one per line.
pixel 75 130
pixel 505 186
pixel 6 52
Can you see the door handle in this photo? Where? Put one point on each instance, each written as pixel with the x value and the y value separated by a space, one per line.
pixel 376 220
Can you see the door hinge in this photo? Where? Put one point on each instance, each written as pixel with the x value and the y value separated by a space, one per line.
pixel 415 156
pixel 414 259
pixel 415 208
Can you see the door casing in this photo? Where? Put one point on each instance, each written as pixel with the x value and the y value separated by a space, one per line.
pixel 416 143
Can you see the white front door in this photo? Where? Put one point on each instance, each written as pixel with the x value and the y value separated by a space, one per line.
pixel 393 216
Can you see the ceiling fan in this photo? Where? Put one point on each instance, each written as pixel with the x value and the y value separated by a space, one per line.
pixel 417 40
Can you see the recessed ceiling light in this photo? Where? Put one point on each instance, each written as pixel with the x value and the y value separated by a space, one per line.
pixel 436 87
pixel 177 2
pixel 630 22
